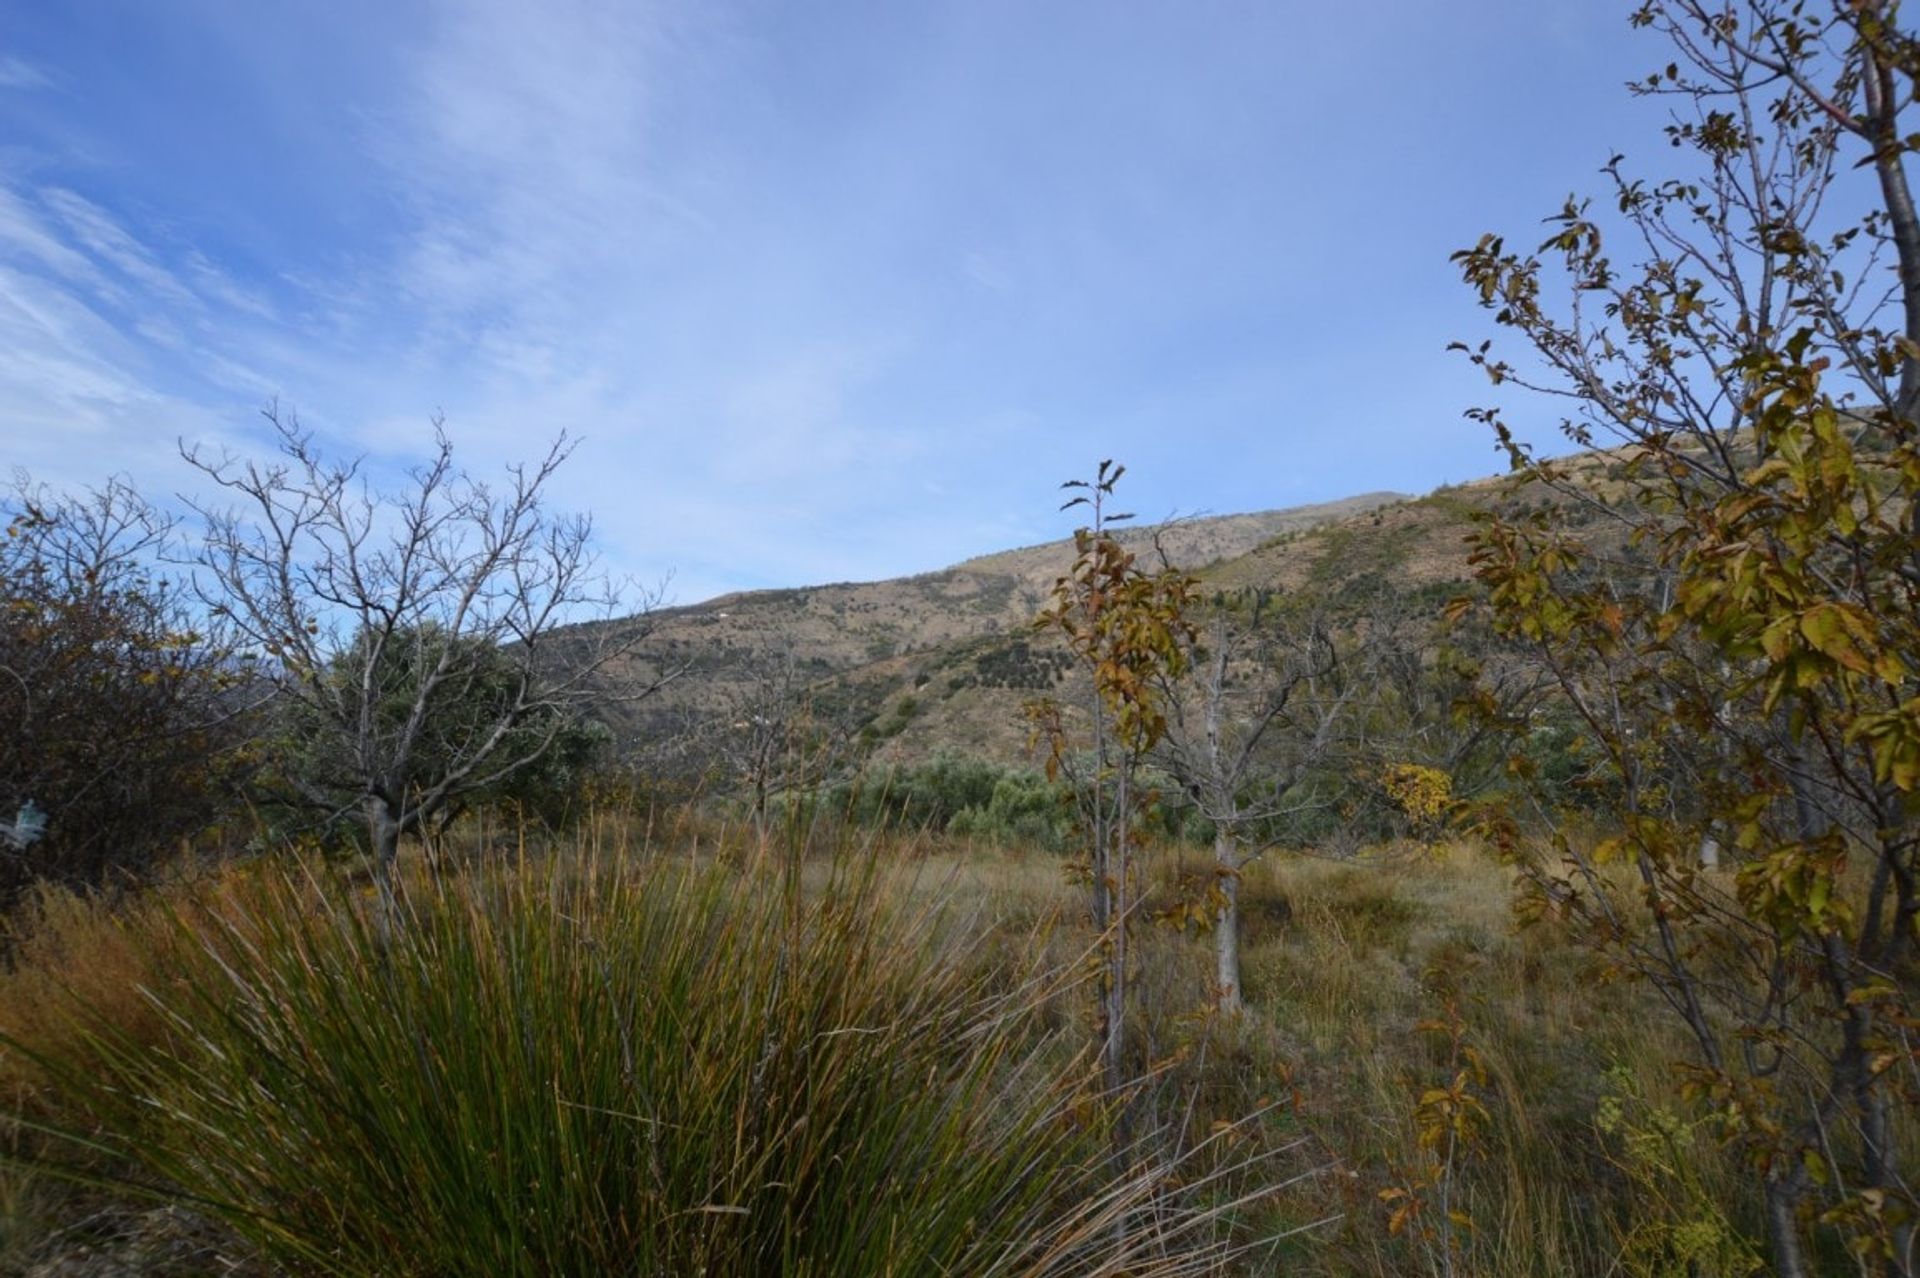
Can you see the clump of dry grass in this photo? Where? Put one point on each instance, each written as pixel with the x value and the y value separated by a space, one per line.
pixel 74 960
pixel 649 1064
pixel 73 957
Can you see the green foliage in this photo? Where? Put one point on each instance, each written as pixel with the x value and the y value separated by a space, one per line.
pixel 959 795
pixel 1352 570
pixel 538 765
pixel 1683 1230
pixel 556 788
pixel 645 1067
pixel 1563 762
pixel 1018 664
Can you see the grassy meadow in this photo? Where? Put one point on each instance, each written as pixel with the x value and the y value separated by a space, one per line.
pixel 656 1047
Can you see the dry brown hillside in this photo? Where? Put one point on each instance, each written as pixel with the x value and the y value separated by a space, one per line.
pixel 944 660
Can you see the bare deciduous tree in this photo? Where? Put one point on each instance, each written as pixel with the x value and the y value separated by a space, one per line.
pixel 1260 711
pixel 765 735
pixel 369 610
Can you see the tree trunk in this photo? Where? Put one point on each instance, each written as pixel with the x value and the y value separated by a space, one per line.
pixel 760 807
pixel 1882 1170
pixel 383 839
pixel 1882 129
pixel 1113 1050
pixel 1783 1229
pixel 1226 926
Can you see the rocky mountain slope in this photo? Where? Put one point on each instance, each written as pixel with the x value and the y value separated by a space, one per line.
pixel 944 660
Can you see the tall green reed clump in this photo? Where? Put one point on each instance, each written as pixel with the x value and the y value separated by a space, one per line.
pixel 645 1067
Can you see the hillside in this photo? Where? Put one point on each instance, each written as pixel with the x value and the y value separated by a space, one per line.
pixel 943 660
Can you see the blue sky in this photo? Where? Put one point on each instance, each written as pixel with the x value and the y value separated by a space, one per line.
pixel 832 291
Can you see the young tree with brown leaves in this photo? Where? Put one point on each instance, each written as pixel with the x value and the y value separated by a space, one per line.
pixel 1129 630
pixel 1736 623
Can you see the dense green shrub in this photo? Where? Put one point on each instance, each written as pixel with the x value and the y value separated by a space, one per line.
pixel 545 758
pixel 955 794
pixel 1024 809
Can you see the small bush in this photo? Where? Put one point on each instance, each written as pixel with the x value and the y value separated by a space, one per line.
pixel 955 794
pixel 120 714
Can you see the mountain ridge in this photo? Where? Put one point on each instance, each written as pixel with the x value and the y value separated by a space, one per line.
pixel 858 652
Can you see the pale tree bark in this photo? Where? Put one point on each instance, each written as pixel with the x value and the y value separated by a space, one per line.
pixel 1240 755
pixel 383 838
pixel 1226 928
pixel 424 639
pixel 1783 1195
pixel 1118 867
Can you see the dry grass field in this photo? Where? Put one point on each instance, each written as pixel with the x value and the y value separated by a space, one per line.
pixel 1370 983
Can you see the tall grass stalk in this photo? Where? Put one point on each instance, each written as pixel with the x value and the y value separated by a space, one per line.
pixel 642 1065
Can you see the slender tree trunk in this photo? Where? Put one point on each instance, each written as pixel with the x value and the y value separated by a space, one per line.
pixel 1783 1228
pixel 1114 1049
pixel 1107 820
pixel 383 840
pixel 1882 1170
pixel 1883 111
pixel 1226 926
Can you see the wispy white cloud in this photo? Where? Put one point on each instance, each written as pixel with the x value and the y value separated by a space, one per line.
pixel 829 293
pixel 77 402
pixel 16 74
pixel 95 334
pixel 522 149
pixel 557 262
pixel 26 234
pixel 103 240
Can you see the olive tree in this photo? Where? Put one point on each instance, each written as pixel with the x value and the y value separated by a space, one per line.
pixel 1736 625
pixel 314 767
pixel 422 632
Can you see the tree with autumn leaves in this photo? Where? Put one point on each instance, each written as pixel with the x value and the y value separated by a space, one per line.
pixel 1735 617
pixel 1130 631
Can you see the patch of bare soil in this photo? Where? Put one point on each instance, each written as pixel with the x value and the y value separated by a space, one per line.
pixel 117 1241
